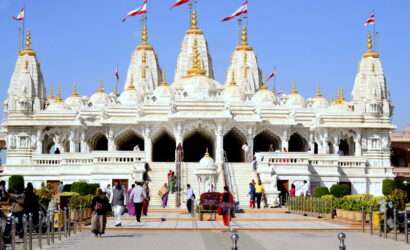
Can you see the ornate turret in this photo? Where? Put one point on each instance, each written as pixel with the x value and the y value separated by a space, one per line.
pixel 244 65
pixel 144 66
pixel 370 92
pixel 295 100
pixel 193 37
pixel 196 68
pixel 26 91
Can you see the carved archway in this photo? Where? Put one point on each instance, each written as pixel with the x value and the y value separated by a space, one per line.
pixel 196 144
pixel 347 146
pixel 129 140
pixel 233 142
pixel 48 145
pixel 98 142
pixel 297 143
pixel 164 148
pixel 266 141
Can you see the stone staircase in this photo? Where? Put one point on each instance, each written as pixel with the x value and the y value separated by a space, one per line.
pixel 242 175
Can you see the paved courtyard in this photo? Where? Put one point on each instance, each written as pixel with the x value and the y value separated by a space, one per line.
pixel 208 240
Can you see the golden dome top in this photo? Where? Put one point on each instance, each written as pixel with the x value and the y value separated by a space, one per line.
pixel 340 97
pixel 318 91
pixel 101 89
pixel 51 96
pixel 59 98
pixel 243 44
pixel 74 92
pixel 370 52
pixel 28 50
pixel 294 90
pixel 193 28
pixel 263 87
pixel 196 68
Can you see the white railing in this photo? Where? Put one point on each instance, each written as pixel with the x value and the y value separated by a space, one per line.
pixel 91 158
pixel 306 159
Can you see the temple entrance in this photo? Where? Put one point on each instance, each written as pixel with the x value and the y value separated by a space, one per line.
pixel 99 143
pixel 48 145
pixel 233 142
pixel 346 147
pixel 283 188
pixel 130 141
pixel 266 142
pixel 195 146
pixel 297 143
pixel 164 148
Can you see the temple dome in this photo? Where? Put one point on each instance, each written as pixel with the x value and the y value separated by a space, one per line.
pixel 207 162
pixel 295 99
pixel 340 103
pixel 264 96
pixel 74 101
pixel 163 93
pixel 99 98
pixel 319 101
pixel 130 97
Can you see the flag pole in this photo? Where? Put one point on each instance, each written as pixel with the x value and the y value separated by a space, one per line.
pixel 23 38
pixel 374 30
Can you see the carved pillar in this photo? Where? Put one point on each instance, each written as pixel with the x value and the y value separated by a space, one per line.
pixel 325 146
pixel 39 148
pixel 285 140
pixel 83 143
pixel 249 141
pixel 72 141
pixel 148 145
pixel 111 142
pixel 219 154
pixel 178 134
pixel 311 142
pixel 358 145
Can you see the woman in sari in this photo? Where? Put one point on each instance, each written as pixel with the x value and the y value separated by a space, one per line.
pixel 163 193
pixel 145 203
pixel 130 203
pixel 226 206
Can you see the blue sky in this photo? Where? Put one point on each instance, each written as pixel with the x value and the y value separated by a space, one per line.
pixel 311 42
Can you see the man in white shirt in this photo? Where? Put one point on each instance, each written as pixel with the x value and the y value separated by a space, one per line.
pixel 190 197
pixel 138 195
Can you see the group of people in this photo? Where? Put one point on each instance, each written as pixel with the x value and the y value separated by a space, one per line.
pixel 118 200
pixel 257 194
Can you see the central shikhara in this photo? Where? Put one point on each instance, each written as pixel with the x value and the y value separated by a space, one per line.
pixel 221 127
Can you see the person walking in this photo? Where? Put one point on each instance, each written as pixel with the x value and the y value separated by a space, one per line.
pixel 31 204
pixel 99 206
pixel 226 206
pixel 163 193
pixel 190 197
pixel 147 198
pixel 118 202
pixel 292 191
pixel 252 194
pixel 108 191
pixel 61 187
pixel 130 202
pixel 258 193
pixel 138 195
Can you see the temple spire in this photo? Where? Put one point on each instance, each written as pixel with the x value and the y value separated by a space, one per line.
pixel 51 93
pixel 294 90
pixel 163 79
pixel 193 28
pixel 101 88
pixel 243 43
pixel 196 68
pixel 318 91
pixel 144 44
pixel 340 97
pixel 74 92
pixel 28 49
pixel 59 97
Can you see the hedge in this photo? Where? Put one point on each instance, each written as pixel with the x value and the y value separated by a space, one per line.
pixel 388 186
pixel 320 191
pixel 340 190
pixel 16 184
pixel 84 188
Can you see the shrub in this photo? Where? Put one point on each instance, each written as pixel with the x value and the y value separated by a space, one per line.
pixel 45 195
pixel 84 188
pixel 398 197
pixel 92 188
pixel 320 191
pixel 340 190
pixel 16 184
pixel 388 186
pixel 67 188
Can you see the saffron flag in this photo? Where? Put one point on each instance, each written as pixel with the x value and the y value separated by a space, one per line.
pixel 20 16
pixel 239 12
pixel 179 3
pixel 140 11
pixel 370 20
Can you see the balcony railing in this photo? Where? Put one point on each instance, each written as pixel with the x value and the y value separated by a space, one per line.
pixel 91 158
pixel 306 159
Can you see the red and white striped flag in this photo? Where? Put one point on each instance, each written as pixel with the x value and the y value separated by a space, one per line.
pixel 179 3
pixel 140 11
pixel 239 12
pixel 370 20
pixel 20 16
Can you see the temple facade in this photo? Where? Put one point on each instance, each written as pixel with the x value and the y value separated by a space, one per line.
pixel 222 127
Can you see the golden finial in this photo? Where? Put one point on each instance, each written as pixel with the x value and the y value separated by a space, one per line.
pixel 131 85
pixel 193 28
pixel 27 50
pixel 163 79
pixel 318 91
pixel 74 92
pixel 233 81
pixel 59 97
pixel 340 97
pixel 370 52
pixel 294 90
pixel 207 153
pixel 51 93
pixel 101 88
pixel 243 45
pixel 144 45
pixel 263 87
pixel 196 68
